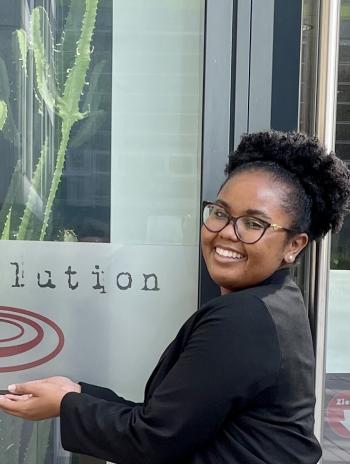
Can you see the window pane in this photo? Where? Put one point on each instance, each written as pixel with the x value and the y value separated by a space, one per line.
pixel 55 116
pixel 113 157
pixel 157 98
pixel 337 395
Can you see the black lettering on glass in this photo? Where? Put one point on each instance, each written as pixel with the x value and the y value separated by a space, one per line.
pixel 19 274
pixel 69 273
pixel 154 278
pixel 49 283
pixel 98 285
pixel 129 281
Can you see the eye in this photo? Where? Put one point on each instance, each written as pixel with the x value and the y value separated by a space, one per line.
pixel 219 213
pixel 252 223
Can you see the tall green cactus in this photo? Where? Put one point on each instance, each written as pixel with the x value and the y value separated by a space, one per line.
pixel 67 105
pixel 57 95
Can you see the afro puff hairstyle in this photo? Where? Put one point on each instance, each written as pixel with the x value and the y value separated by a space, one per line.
pixel 318 183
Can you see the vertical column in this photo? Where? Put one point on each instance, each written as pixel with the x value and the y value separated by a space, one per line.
pixel 220 27
pixel 325 129
pixel 261 64
pixel 217 94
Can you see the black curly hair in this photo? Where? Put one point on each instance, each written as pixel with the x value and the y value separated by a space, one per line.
pixel 318 183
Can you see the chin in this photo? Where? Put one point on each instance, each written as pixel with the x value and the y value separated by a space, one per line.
pixel 229 286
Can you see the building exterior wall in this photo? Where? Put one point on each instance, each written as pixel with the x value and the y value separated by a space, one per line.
pixel 169 89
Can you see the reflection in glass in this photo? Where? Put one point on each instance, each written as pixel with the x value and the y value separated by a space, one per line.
pixel 309 62
pixel 307 121
pixel 336 439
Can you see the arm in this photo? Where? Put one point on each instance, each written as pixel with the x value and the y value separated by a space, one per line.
pixel 103 393
pixel 232 355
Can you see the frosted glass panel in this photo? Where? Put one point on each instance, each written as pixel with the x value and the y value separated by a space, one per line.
pixel 129 176
pixel 157 119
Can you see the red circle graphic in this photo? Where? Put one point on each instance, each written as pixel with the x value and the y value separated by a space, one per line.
pixel 22 347
pixel 21 331
pixel 338 413
pixel 23 317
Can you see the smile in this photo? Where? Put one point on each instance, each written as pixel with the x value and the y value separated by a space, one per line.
pixel 229 254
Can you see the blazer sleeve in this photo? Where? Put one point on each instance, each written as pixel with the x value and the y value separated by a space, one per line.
pixel 231 355
pixel 104 393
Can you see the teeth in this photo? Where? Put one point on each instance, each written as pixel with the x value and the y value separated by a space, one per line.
pixel 228 253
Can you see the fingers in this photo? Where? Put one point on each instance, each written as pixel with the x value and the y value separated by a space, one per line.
pixel 33 400
pixel 18 397
pixel 33 388
pixel 15 408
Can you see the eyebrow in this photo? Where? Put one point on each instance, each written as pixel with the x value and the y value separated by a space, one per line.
pixel 249 212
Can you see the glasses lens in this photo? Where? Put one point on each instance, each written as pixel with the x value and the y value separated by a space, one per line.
pixel 249 229
pixel 215 217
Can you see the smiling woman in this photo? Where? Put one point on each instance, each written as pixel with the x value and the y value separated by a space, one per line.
pixel 237 383
pixel 252 237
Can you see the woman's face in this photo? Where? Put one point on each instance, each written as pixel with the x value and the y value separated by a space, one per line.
pixel 245 192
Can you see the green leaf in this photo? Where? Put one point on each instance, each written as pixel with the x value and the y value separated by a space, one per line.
pixel 21 36
pixel 3 113
pixel 6 231
pixel 33 193
pixel 10 131
pixel 44 70
pixel 12 191
pixel 4 81
pixel 75 82
pixel 68 105
pixel 69 39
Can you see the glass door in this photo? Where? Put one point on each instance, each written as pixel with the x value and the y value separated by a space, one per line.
pixel 336 439
pixel 101 143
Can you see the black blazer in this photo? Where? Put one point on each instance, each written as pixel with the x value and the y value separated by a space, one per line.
pixel 236 386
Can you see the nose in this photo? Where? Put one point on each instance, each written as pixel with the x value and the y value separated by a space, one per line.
pixel 229 232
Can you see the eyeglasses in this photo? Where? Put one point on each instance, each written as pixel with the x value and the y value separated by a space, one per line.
pixel 248 229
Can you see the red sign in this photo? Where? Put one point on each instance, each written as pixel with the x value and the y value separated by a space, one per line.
pixel 338 413
pixel 39 327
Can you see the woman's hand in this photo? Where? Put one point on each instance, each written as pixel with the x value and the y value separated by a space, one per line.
pixel 39 399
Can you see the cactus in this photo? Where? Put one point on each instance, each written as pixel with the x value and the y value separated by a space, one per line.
pixel 23 47
pixel 6 232
pixel 68 105
pixel 3 113
pixel 58 89
pixel 32 193
pixel 8 128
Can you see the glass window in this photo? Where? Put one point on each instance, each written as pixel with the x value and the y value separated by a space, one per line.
pixel 55 74
pixel 336 423
pixel 100 140
pixel 307 116
pixel 337 396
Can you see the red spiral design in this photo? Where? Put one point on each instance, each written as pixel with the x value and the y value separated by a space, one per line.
pixel 19 317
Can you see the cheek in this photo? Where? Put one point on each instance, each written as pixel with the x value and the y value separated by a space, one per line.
pixel 206 237
pixel 269 251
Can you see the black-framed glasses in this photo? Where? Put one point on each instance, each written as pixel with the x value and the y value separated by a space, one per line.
pixel 249 229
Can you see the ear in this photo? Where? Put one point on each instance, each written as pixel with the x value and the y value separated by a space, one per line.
pixel 294 246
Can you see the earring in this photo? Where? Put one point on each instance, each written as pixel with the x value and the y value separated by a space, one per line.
pixel 290 258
